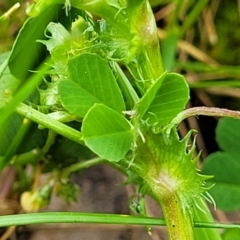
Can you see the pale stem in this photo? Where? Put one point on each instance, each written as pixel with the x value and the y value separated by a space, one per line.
pixel 9 12
pixel 206 111
pixel 82 165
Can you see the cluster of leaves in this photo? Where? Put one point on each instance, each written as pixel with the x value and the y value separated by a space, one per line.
pixel 119 119
pixel 79 80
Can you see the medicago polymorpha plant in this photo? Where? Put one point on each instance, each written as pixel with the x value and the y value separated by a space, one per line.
pixel 105 79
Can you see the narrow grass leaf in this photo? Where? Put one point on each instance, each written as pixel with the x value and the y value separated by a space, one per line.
pixel 27 53
pixel 199 215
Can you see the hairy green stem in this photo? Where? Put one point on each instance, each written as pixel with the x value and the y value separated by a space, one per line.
pixel 147 66
pixel 178 218
pixel 50 123
pixel 152 65
pixel 169 174
pixel 179 223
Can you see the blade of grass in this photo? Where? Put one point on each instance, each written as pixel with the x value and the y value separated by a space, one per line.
pixel 73 217
pixel 26 124
pixel 169 48
pixel 204 214
pixel 95 218
pixel 23 92
pixel 192 16
pixel 233 71
pixel 209 84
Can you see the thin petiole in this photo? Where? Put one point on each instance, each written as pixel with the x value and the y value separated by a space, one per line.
pixel 206 111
